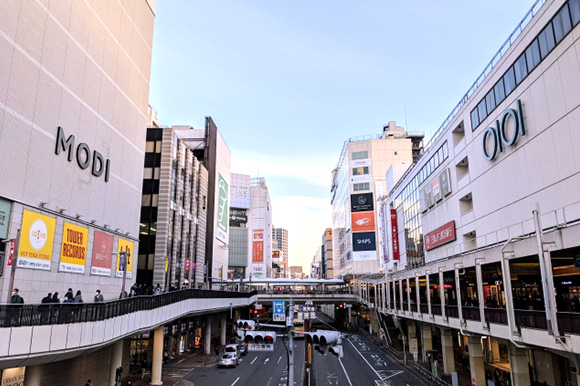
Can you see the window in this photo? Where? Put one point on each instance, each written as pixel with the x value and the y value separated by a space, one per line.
pixel 360 155
pixel 499 92
pixel 546 39
pixel 575 11
pixel 562 24
pixel 490 101
pixel 481 108
pixel 533 55
pixel 474 118
pixel 520 69
pixel 509 81
pixel 360 171
pixel 360 187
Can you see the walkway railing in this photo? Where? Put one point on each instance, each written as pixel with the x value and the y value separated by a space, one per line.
pixel 16 315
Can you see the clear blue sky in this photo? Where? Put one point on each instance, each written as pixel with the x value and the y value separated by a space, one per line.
pixel 287 82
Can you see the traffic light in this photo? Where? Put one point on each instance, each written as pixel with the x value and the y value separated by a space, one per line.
pixel 321 338
pixel 254 336
pixel 246 324
pixel 336 350
pixel 270 337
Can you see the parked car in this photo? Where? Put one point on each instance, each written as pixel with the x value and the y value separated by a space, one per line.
pixel 228 360
pixel 242 348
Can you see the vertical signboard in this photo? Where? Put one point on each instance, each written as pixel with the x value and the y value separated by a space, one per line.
pixel 36 241
pixel 395 234
pixel 222 210
pixel 4 218
pixel 125 246
pixel 258 246
pixel 73 252
pixel 102 254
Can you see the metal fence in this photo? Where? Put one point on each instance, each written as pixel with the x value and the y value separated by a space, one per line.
pixel 17 315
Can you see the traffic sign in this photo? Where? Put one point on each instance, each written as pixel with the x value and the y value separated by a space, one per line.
pixel 279 317
pixel 279 306
pixel 260 347
pixel 258 306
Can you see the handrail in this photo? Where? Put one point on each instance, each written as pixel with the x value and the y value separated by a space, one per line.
pixel 19 315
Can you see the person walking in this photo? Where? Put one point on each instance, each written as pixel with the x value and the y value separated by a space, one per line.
pixel 55 298
pixel 78 297
pixel 98 297
pixel 69 293
pixel 16 298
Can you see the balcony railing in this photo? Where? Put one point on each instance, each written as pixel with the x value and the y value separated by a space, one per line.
pixel 496 315
pixel 16 315
pixel 451 311
pixel 424 307
pixel 436 309
pixel 569 322
pixel 471 313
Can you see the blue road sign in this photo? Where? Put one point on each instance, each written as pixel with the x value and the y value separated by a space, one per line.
pixel 279 306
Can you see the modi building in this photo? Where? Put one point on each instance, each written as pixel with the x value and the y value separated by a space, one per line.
pixel 483 230
pixel 74 87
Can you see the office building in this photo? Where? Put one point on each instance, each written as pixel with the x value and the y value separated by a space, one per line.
pixel 239 235
pixel 260 266
pixel 358 180
pixel 327 259
pixel 280 236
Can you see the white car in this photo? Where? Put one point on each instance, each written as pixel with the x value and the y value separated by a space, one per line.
pixel 228 360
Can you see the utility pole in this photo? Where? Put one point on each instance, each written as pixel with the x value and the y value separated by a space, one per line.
pixel 14 262
pixel 291 343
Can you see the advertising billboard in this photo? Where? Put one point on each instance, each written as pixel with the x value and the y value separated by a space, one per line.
pixel 395 234
pixel 361 202
pixel 363 241
pixel 442 235
pixel 363 221
pixel 4 217
pixel 73 251
pixel 125 246
pixel 102 254
pixel 258 246
pixel 36 241
pixel 222 210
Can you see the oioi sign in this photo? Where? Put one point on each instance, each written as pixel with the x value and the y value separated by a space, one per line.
pixel 496 138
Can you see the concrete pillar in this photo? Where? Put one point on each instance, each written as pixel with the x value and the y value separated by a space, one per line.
pixel 427 339
pixel 157 360
pixel 32 375
pixel 476 362
pixel 519 366
pixel 116 360
pixel 448 352
pixel 223 330
pixel 207 339
pixel 495 350
pixel 413 343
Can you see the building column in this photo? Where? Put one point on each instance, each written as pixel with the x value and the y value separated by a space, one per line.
pixel 495 349
pixel 476 362
pixel 223 330
pixel 413 343
pixel 157 359
pixel 448 353
pixel 32 375
pixel 427 339
pixel 207 338
pixel 116 360
pixel 519 366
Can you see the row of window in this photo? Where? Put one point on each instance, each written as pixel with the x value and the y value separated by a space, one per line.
pixel 361 186
pixel 360 155
pixel 553 33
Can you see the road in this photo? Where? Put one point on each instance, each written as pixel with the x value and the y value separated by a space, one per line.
pixel 257 368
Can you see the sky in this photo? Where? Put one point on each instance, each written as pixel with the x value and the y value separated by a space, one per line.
pixel 288 82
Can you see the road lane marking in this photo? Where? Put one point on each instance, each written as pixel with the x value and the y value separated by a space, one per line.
pixel 236 381
pixel 252 362
pixel 345 374
pixel 266 361
pixel 372 368
pixel 279 359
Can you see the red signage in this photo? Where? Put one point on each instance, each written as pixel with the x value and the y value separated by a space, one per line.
pixel 11 252
pixel 442 235
pixel 395 234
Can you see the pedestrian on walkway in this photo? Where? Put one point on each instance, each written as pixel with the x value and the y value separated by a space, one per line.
pixel 69 293
pixel 55 298
pixel 98 297
pixel 16 298
pixel 78 297
pixel 47 298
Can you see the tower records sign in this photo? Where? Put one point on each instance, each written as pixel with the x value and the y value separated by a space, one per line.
pixel 361 202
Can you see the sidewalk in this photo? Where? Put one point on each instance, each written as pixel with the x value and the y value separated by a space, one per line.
pixel 175 370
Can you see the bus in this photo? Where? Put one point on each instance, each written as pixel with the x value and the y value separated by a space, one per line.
pixel 299 328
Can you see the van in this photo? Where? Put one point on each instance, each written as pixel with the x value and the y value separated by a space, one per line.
pixel 232 348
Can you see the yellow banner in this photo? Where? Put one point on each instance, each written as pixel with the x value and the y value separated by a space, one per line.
pixel 73 252
pixel 126 247
pixel 36 241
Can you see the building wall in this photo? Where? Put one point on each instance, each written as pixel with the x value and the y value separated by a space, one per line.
pixel 261 220
pixel 84 67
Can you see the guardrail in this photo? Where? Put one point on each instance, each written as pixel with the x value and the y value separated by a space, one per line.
pixel 17 315
pixel 429 376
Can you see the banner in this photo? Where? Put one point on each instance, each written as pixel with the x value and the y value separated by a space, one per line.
pixel 222 210
pixel 258 246
pixel 4 217
pixel 124 253
pixel 442 235
pixel 36 241
pixel 394 234
pixel 363 221
pixel 73 252
pixel 102 254
pixel 363 241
